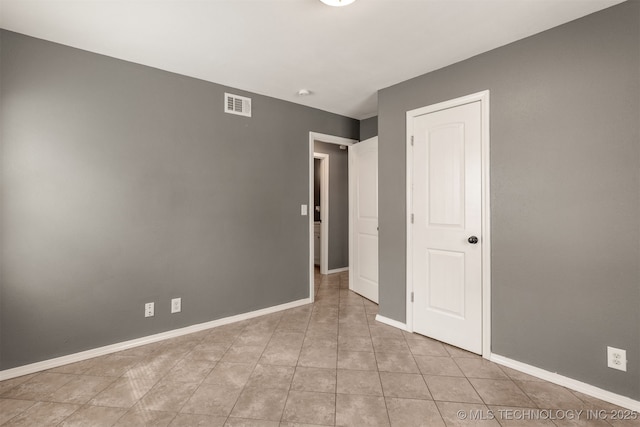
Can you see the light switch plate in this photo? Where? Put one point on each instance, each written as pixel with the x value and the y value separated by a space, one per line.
pixel 303 210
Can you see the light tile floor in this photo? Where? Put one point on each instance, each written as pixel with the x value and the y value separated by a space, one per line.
pixel 329 363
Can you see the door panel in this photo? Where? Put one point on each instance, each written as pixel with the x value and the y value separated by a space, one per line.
pixel 447 269
pixel 363 171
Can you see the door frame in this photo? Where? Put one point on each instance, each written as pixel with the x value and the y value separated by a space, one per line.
pixel 330 139
pixel 324 207
pixel 485 241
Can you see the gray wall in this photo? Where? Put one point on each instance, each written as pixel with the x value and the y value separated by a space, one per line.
pixel 123 184
pixel 338 203
pixel 368 128
pixel 565 208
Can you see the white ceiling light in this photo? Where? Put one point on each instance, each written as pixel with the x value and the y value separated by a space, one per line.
pixel 337 2
pixel 304 92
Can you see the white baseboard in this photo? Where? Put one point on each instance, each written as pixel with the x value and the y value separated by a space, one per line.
pixel 392 322
pixel 576 385
pixel 108 349
pixel 338 270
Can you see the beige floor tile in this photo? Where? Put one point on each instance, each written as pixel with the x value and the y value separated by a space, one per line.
pixel 167 396
pixel 458 352
pixel 140 418
pixel 244 422
pixel 310 408
pixel 432 365
pixel 382 330
pixel 197 420
pixel 321 342
pixel 355 343
pixel 261 404
pixel 359 382
pixel 153 367
pixel 318 357
pixel 285 424
pixel 397 362
pixel 190 371
pixel 234 375
pixel 281 355
pixel 509 416
pixel 426 347
pixel 38 387
pixel 212 399
pixel 356 410
pixel 252 337
pixel 479 368
pixel 466 414
pixel 208 352
pixel 223 334
pixel 243 354
pixel 270 376
pixel 286 338
pixel 7 385
pixel 413 412
pixel 94 416
pixel 43 414
pixel 390 345
pixel 581 422
pixel 547 395
pixel 358 360
pixel 452 389
pixel 80 389
pixel 314 379
pixel 354 330
pixel 143 350
pixel 410 386
pixel 501 392
pixel 113 365
pixel 519 376
pixel 10 408
pixel 123 393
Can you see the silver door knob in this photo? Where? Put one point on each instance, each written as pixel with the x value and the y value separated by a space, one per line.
pixel 473 240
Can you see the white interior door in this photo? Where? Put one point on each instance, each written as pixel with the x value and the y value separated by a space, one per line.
pixel 363 189
pixel 447 221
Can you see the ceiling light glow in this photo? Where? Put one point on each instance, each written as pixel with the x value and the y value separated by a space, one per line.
pixel 337 3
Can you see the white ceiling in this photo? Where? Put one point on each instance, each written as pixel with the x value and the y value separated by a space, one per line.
pixel 276 47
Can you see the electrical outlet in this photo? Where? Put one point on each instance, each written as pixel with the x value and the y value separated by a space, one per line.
pixel 617 358
pixel 176 305
pixel 149 309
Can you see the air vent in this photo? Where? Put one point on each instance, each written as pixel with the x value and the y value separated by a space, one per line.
pixel 235 104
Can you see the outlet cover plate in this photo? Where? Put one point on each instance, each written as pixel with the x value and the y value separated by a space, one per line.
pixel 617 358
pixel 176 305
pixel 149 309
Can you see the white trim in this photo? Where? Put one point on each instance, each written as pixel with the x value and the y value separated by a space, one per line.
pixel 576 385
pixel 338 270
pixel 324 211
pixel 485 241
pixel 125 345
pixel 392 322
pixel 331 139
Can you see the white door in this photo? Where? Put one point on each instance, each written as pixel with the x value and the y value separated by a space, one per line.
pixel 363 189
pixel 445 234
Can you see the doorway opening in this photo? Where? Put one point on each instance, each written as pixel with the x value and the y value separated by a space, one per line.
pixel 324 209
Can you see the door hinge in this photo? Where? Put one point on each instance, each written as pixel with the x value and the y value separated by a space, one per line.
pixel 412 140
pixel 411 296
pixel 412 219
